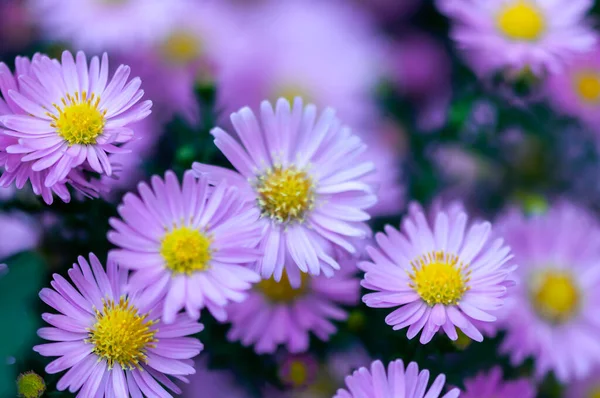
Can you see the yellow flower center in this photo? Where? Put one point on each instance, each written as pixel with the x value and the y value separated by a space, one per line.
pixel 121 335
pixel 587 86
pixel 298 373
pixel 181 47
pixel 30 385
pixel 290 92
pixel 186 250
pixel 282 291
pixel 285 195
pixel 439 278
pixel 555 295
pixel 79 120
pixel 521 20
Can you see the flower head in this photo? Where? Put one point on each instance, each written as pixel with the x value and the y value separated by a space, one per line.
pixel 30 385
pixel 519 35
pixel 188 243
pixel 102 25
pixel 491 385
pixel 552 312
pixel 276 314
pixel 441 276
pixel 68 117
pixel 396 382
pixel 110 342
pixel 305 176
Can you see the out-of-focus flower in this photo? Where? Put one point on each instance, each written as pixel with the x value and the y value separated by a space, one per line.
pixel 588 387
pixel 110 343
pixel 324 51
pixel 576 91
pixel 68 117
pixel 552 313
pixel 298 371
pixel 441 274
pixel 102 25
pixel 396 382
pixel 212 383
pixel 385 151
pixel 275 313
pixel 491 385
pixel 305 175
pixel 421 68
pixel 189 244
pixel 19 233
pixel 537 36
pixel 16 30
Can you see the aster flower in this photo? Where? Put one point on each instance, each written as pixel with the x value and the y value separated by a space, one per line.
pixel 576 91
pixel 276 314
pixel 519 35
pixel 188 243
pixel 328 53
pixel 73 116
pixel 111 344
pixel 100 25
pixel 491 385
pixel 451 274
pixel 396 382
pixel 552 315
pixel 305 176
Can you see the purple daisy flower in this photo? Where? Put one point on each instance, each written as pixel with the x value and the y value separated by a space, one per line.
pixel 552 315
pixel 491 385
pixel 535 35
pixel 73 115
pixel 188 243
pixel 111 344
pixel 276 313
pixel 451 274
pixel 396 382
pixel 306 177
pixel 101 25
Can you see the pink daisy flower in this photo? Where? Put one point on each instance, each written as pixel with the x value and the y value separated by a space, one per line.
pixel 111 344
pixel 326 52
pixel 552 314
pixel 491 385
pixel 276 314
pixel 73 116
pixel 518 35
pixel 101 25
pixel 305 175
pixel 440 276
pixel 576 91
pixel 396 382
pixel 188 243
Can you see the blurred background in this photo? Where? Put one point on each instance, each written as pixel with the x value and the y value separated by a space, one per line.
pixel 435 130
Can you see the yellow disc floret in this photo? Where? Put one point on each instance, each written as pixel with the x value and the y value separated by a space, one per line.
pixel 282 291
pixel 555 295
pixel 521 20
pixel 30 385
pixel 439 278
pixel 587 86
pixel 285 194
pixel 186 250
pixel 79 119
pixel 181 47
pixel 121 335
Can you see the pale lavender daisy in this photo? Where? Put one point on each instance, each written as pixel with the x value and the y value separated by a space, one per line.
pixel 101 25
pixel 109 343
pixel 396 382
pixel 305 175
pixel 552 315
pixel 73 115
pixel 441 274
pixel 492 385
pixel 276 314
pixel 188 243
pixel 518 35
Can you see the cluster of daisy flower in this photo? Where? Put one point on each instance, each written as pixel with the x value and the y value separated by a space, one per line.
pixel 292 225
